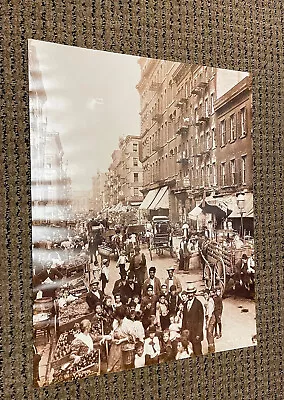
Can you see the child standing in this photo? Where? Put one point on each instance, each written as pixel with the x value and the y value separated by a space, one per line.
pixel 174 328
pixel 218 310
pixel 152 347
pixel 167 353
pixel 183 349
pixel 162 313
pixel 139 359
pixel 136 300
pixel 121 262
pixel 104 273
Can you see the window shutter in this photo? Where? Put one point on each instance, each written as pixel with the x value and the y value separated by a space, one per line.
pixel 239 129
pixel 226 129
pixel 235 126
pixel 219 138
pixel 246 120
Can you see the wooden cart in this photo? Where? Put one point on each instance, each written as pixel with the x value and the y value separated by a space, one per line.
pixel 162 237
pixel 219 263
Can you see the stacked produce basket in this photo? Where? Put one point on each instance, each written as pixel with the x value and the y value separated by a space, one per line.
pixel 75 266
pixel 63 366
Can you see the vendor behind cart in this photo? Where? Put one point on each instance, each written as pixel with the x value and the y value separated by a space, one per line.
pixel 83 343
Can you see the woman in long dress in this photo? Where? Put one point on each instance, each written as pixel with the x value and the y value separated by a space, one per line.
pixel 123 340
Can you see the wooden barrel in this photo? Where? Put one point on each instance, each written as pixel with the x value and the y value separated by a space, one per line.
pixel 44 305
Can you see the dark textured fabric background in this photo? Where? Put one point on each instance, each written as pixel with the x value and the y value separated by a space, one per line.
pixel 236 34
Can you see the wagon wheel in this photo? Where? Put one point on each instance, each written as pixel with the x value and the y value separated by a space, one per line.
pixel 220 275
pixel 208 276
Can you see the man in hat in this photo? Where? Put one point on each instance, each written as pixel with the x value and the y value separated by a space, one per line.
pixel 95 296
pixel 193 319
pixel 154 281
pixel 184 254
pixel 137 264
pixel 120 287
pixel 173 281
pixel 241 275
pixel 131 288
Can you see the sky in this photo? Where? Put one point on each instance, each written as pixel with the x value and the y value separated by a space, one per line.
pixel 92 100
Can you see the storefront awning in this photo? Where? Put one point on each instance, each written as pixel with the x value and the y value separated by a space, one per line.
pixel 193 214
pixel 148 199
pixel 217 206
pixel 161 200
pixel 227 206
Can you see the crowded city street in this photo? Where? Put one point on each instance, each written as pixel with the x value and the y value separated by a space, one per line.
pixel 142 212
pixel 67 290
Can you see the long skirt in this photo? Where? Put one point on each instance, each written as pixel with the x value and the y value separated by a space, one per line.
pixel 115 361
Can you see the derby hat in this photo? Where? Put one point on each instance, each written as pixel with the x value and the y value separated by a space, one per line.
pixel 190 288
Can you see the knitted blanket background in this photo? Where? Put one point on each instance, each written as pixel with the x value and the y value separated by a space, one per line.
pixel 245 35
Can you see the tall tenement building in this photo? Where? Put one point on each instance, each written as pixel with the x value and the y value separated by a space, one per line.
pixel 183 109
pixel 124 179
pixel 50 183
pixel 98 193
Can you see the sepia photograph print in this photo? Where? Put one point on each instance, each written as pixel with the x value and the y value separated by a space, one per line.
pixel 142 211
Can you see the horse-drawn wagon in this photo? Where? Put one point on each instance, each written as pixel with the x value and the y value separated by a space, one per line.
pixel 223 263
pixel 161 236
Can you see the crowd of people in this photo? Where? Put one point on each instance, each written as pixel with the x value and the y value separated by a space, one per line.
pixel 146 321
pixel 140 320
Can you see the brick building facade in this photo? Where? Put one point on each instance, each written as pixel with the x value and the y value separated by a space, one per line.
pixel 124 178
pixel 182 112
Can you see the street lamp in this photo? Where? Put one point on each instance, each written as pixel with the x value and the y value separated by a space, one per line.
pixel 241 205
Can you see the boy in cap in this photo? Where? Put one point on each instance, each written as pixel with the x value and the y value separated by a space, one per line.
pixel 152 347
pixel 218 310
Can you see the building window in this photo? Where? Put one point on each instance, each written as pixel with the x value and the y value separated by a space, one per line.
pixel 214 170
pixel 223 132
pixel 202 176
pixel 223 174
pixel 232 127
pixel 233 171
pixel 136 191
pixel 243 171
pixel 206 103
pixel 135 147
pixel 135 162
pixel 208 170
pixel 243 121
pixel 135 176
pixel 207 140
pixel 212 103
pixel 195 115
pixel 213 138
